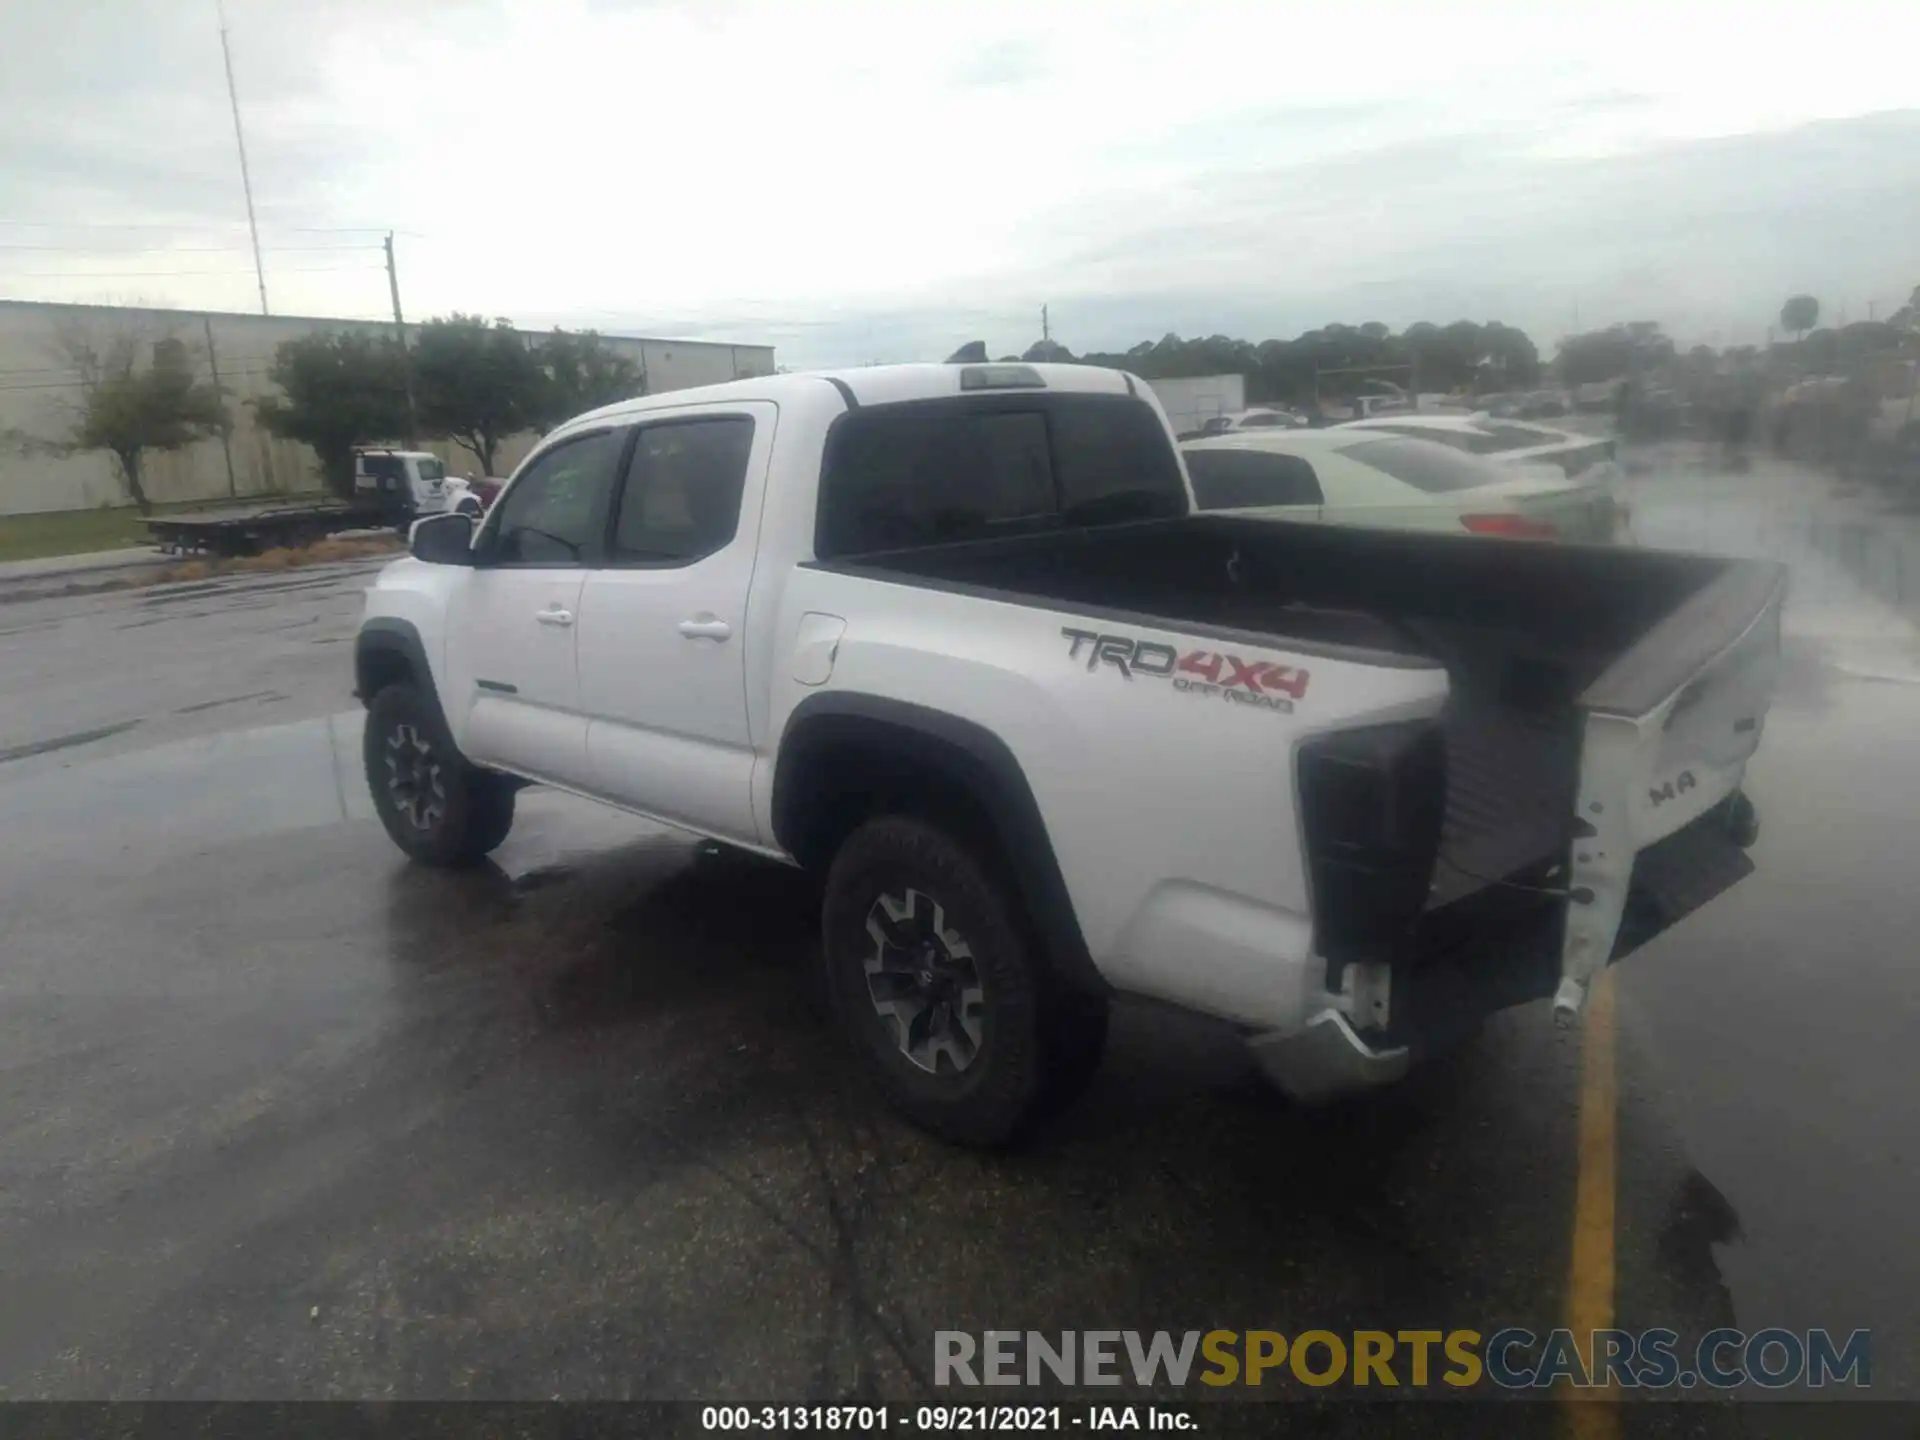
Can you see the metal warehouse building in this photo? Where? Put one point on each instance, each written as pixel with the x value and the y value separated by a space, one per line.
pixel 38 388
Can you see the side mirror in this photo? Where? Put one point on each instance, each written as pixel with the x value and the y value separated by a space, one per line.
pixel 442 540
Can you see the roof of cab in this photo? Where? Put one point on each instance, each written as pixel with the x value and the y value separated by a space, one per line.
pixel 869 385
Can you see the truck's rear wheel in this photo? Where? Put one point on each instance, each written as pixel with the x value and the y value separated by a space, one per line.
pixel 934 980
pixel 435 806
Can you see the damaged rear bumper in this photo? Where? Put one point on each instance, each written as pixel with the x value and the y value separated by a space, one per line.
pixel 1499 948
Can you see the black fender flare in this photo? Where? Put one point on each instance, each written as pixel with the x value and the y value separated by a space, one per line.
pixel 386 636
pixel 959 751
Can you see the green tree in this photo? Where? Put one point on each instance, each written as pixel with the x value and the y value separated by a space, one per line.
pixel 1509 359
pixel 582 373
pixel 1614 352
pixel 1047 352
pixel 477 383
pixel 1907 317
pixel 1800 314
pixel 137 393
pixel 338 390
pixel 1461 354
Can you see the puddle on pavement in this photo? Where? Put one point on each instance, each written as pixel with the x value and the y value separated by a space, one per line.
pixel 63 814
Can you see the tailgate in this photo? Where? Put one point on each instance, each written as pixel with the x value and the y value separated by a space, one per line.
pixel 1666 733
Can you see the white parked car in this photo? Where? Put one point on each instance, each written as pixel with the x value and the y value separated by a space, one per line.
pixel 1259 418
pixel 1367 474
pixel 1509 442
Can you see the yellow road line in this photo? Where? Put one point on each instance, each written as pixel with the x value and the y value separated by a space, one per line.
pixel 1590 1284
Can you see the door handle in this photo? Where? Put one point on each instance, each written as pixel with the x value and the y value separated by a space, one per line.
pixel 706 629
pixel 555 616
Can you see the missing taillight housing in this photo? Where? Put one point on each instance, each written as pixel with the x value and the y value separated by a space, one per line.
pixel 1514 527
pixel 1371 803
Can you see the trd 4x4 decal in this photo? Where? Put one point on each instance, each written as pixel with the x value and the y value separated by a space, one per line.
pixel 1199 672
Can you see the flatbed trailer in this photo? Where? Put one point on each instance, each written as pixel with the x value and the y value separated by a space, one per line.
pixel 249 532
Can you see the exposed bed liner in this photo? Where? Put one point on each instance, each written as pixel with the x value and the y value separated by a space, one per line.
pixel 1510 784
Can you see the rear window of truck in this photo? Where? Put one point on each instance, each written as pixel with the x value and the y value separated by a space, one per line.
pixel 939 471
pixel 1247 479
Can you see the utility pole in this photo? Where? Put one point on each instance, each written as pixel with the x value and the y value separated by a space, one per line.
pixel 226 430
pixel 240 139
pixel 400 338
pixel 1046 334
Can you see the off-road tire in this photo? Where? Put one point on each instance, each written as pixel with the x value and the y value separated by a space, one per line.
pixel 1033 1051
pixel 454 814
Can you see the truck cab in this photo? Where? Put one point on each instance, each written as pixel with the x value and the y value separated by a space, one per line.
pixel 410 484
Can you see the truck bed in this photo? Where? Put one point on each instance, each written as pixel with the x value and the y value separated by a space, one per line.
pixel 1532 636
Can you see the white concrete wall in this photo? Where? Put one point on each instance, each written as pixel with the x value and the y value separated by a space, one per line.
pixel 38 389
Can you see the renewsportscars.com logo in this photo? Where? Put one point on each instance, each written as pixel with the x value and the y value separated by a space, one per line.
pixel 1509 1359
pixel 1259 683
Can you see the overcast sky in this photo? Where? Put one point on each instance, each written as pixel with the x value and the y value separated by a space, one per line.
pixel 856 181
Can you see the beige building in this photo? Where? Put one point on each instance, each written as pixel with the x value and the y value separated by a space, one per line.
pixel 39 386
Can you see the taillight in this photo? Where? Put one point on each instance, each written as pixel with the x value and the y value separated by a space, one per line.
pixel 1514 527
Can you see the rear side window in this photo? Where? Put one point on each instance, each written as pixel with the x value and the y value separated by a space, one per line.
pixel 1432 468
pixel 681 499
pixel 941 471
pixel 1238 479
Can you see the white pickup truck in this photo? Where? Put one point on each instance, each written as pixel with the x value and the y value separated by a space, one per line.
pixel 954 637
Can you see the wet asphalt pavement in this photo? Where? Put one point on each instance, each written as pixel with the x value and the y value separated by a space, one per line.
pixel 283 1117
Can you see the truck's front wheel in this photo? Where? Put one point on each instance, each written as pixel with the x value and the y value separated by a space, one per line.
pixel 436 807
pixel 935 981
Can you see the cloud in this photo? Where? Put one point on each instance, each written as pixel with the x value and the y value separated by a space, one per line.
pixel 859 179
pixel 1003 62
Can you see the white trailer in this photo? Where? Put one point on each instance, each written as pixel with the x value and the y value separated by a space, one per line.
pixel 1192 401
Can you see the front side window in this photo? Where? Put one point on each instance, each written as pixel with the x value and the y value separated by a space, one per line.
pixel 681 499
pixel 553 512
pixel 431 469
